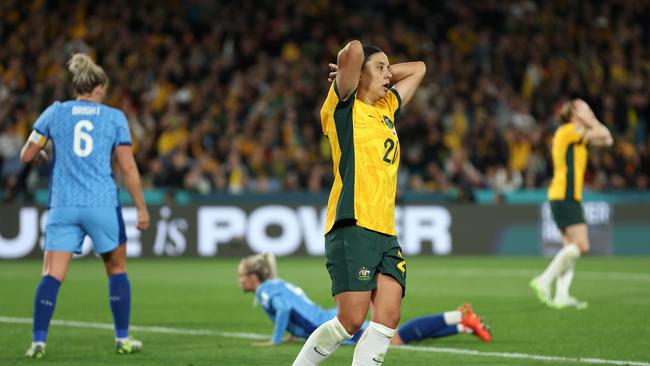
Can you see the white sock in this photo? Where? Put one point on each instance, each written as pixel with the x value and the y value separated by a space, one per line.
pixel 564 282
pixel 371 348
pixel 322 343
pixel 559 263
pixel 452 317
pixel 463 329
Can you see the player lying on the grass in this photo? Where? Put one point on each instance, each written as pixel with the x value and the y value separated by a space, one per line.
pixel 292 311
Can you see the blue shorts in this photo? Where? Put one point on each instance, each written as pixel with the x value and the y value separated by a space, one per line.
pixel 67 226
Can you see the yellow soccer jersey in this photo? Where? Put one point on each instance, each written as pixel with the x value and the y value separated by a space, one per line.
pixel 365 153
pixel 569 163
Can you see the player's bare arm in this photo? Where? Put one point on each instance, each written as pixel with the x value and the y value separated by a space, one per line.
pixel 132 182
pixel 349 62
pixel 31 151
pixel 407 76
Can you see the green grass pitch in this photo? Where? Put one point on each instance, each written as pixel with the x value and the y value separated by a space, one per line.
pixel 202 294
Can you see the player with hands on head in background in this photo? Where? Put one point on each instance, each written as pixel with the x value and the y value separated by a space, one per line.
pixel 579 128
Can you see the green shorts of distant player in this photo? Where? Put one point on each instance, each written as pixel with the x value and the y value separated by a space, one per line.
pixel 567 213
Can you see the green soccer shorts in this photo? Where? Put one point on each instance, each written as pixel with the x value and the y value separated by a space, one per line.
pixel 567 213
pixel 355 255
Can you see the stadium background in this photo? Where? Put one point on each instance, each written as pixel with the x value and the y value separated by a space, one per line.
pixel 222 100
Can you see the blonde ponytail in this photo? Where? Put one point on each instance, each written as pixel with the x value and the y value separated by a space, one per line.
pixel 264 266
pixel 272 264
pixel 86 75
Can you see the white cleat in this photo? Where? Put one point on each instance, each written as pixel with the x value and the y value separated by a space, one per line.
pixel 127 346
pixel 36 350
pixel 543 292
pixel 569 302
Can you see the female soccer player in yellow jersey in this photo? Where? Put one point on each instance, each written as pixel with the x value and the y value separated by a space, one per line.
pixel 569 150
pixel 364 259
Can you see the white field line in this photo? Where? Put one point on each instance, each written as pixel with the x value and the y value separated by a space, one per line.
pixel 522 356
pixel 206 332
pixel 140 328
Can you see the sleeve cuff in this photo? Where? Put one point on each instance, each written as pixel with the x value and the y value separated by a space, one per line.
pixel 40 132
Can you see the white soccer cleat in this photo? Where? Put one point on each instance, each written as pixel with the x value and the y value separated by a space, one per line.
pixel 569 302
pixel 37 350
pixel 127 346
pixel 542 291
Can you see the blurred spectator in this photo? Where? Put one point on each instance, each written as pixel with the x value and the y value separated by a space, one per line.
pixel 224 96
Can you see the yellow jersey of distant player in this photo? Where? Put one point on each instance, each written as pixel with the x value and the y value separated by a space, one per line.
pixel 569 153
pixel 365 153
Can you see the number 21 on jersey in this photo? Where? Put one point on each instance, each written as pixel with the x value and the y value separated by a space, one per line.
pixel 391 150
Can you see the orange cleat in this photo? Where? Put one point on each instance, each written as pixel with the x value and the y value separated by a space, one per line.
pixel 474 322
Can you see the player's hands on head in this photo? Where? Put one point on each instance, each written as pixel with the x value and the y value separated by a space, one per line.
pixel 583 113
pixel 143 218
pixel 334 68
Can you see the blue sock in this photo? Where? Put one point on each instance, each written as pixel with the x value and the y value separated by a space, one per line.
pixel 446 331
pixel 422 328
pixel 120 299
pixel 44 302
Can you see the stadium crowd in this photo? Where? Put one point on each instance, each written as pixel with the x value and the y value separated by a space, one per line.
pixel 225 96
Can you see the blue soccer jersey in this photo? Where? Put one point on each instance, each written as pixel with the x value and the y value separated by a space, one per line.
pixel 290 309
pixel 84 135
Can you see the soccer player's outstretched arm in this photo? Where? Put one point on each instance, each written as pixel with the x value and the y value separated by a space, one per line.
pixel 407 76
pixel 132 181
pixel 349 62
pixel 282 314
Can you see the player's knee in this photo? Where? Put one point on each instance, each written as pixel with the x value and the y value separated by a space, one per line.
pixel 115 268
pixel 59 275
pixel 352 322
pixel 583 246
pixel 114 263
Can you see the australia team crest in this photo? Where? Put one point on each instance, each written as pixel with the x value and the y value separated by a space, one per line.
pixel 388 122
pixel 364 274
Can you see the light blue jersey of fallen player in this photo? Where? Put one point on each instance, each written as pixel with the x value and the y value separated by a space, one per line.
pixel 290 309
pixel 84 135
